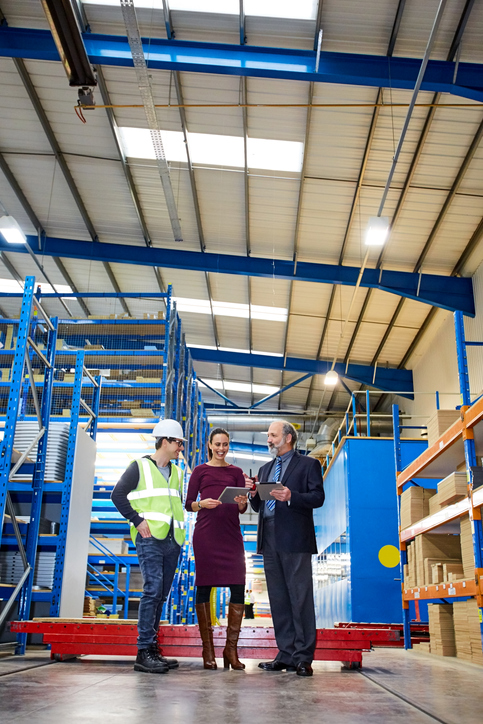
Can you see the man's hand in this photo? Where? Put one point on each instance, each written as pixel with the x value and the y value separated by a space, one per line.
pixel 143 529
pixel 249 482
pixel 282 495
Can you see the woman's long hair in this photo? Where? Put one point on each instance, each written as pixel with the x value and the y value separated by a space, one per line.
pixel 216 431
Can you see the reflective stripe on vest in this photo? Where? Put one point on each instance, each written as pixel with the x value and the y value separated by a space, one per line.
pixel 152 515
pixel 153 493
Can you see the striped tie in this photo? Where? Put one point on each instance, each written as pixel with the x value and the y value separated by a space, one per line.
pixel 270 504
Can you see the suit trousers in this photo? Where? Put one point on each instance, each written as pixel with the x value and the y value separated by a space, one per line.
pixel 291 594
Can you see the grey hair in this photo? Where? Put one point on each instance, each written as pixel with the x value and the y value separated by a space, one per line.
pixel 288 429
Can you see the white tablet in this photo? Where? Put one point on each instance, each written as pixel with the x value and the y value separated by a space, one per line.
pixel 264 490
pixel 229 494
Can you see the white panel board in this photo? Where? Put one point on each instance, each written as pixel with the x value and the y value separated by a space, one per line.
pixel 77 543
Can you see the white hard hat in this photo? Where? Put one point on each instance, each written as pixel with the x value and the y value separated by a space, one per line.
pixel 168 428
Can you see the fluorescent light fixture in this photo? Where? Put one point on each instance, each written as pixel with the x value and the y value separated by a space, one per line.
pixel 331 378
pixel 245 456
pixel 377 230
pixel 301 10
pixel 215 149
pixel 11 230
pixel 231 309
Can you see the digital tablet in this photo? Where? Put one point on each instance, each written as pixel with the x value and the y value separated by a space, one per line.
pixel 264 490
pixel 229 494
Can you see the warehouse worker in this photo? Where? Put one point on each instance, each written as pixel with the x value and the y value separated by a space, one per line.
pixel 149 494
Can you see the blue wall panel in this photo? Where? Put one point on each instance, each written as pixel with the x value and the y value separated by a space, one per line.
pixel 358 518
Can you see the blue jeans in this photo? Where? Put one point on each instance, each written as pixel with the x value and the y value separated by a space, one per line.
pixel 157 560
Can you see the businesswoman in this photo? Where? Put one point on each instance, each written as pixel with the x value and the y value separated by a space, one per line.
pixel 218 545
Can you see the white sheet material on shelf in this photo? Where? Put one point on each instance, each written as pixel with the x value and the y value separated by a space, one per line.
pixel 11 568
pixel 58 438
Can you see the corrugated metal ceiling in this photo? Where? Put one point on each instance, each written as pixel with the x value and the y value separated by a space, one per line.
pixel 337 140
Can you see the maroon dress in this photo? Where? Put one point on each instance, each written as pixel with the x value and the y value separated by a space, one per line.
pixel 217 538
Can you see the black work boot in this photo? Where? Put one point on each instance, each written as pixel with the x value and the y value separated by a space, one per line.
pixel 145 661
pixel 157 654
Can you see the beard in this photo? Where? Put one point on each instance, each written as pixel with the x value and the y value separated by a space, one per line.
pixel 273 449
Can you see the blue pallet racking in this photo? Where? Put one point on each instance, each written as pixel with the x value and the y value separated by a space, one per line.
pixel 33 347
pixel 463 438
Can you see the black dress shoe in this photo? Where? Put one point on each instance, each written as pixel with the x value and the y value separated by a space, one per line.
pixel 304 669
pixel 275 666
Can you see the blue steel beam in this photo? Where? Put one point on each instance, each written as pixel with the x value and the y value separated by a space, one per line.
pixel 242 60
pixel 280 391
pixel 451 293
pixel 383 378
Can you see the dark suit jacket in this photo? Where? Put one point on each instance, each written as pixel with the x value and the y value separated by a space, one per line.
pixel 294 522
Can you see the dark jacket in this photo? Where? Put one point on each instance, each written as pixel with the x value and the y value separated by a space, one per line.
pixel 294 520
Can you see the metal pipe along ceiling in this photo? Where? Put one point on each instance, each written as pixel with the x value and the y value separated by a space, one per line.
pixel 249 423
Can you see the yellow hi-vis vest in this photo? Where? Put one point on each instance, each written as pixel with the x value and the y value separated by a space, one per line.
pixel 158 500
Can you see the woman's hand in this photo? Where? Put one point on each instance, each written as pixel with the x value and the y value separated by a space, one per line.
pixel 241 499
pixel 210 503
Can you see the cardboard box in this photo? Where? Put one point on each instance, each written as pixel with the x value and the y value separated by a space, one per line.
pixel 118 546
pixel 415 505
pixel 434 505
pixel 436 573
pixel 467 552
pixel 452 488
pixel 441 629
pixel 440 548
pixel 428 569
pixel 452 571
pixel 467 631
pixel 439 423
pixel 142 412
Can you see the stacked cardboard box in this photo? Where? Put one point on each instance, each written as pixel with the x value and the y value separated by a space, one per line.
pixel 453 571
pixel 439 423
pixel 437 573
pixel 467 552
pixel 410 568
pixel 118 546
pixel 467 631
pixel 434 505
pixel 441 629
pixel 142 412
pixel 89 607
pixel 452 488
pixel 449 565
pixel 415 505
pixel 424 646
pixel 439 548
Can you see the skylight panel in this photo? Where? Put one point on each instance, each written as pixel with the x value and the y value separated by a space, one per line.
pixel 301 10
pixel 12 286
pixel 234 386
pixel 275 155
pixel 231 309
pixel 137 143
pixel 211 149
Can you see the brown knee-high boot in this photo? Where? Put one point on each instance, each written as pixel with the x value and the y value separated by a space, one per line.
pixel 230 655
pixel 206 632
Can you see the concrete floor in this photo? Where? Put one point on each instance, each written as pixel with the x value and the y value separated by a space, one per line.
pixel 95 690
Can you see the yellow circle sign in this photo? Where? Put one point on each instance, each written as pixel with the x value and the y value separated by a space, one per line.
pixel 389 556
